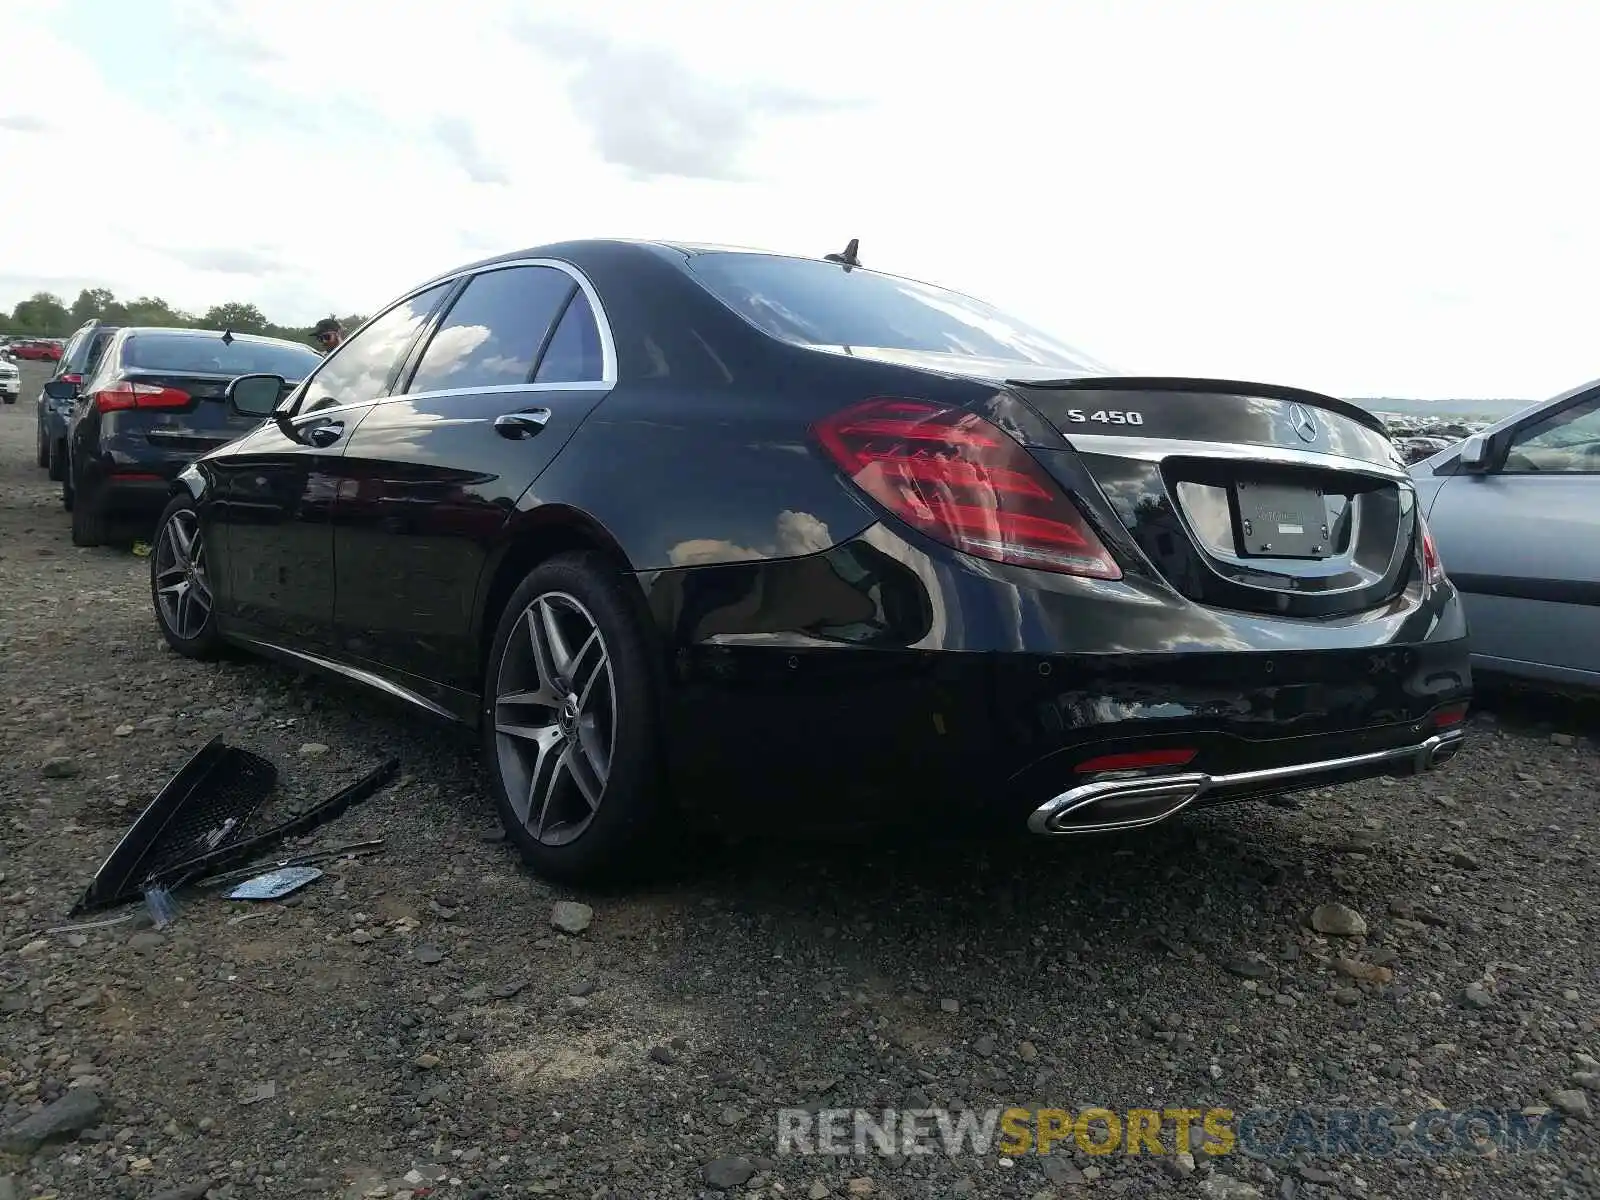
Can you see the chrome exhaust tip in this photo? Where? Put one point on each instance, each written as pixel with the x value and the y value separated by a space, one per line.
pixel 1109 805
pixel 1444 751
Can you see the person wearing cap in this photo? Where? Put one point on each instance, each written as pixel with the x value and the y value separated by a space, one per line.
pixel 328 334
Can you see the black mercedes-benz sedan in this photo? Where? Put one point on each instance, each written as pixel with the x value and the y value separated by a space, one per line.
pixel 704 536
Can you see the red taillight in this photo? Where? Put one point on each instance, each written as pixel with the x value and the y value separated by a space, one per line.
pixel 959 479
pixel 1453 715
pixel 139 395
pixel 1432 564
pixel 1135 760
pixel 74 380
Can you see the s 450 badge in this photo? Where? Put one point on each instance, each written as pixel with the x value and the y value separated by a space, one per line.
pixel 1105 416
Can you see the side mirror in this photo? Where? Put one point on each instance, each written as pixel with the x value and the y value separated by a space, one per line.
pixel 1475 453
pixel 60 389
pixel 255 395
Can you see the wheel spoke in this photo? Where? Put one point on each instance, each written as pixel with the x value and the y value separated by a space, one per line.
pixel 523 733
pixel 182 541
pixel 590 779
pixel 591 673
pixel 550 650
pixel 542 780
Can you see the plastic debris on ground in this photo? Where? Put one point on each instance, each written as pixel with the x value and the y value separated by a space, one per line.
pixel 160 905
pixel 275 884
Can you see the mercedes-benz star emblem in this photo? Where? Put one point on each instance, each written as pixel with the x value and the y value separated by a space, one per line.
pixel 1305 425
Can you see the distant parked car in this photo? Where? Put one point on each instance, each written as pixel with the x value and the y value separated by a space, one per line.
pixel 37 350
pixel 695 535
pixel 10 381
pixel 78 360
pixel 155 401
pixel 1515 509
pixel 1415 449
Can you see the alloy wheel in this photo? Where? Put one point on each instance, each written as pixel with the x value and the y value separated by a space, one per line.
pixel 183 589
pixel 555 716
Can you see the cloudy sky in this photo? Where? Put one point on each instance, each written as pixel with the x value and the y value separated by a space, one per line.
pixel 1367 198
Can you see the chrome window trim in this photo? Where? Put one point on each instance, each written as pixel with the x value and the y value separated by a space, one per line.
pixel 495 389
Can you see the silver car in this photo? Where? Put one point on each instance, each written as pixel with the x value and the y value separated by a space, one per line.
pixel 1515 513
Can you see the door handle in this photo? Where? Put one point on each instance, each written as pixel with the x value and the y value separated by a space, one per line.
pixel 520 425
pixel 325 435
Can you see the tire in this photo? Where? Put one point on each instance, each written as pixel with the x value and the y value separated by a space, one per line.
pixel 188 619
pixel 66 484
pixel 88 515
pixel 578 843
pixel 57 464
pixel 11 398
pixel 41 452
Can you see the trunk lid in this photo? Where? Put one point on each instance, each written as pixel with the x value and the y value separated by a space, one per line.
pixel 1239 495
pixel 202 424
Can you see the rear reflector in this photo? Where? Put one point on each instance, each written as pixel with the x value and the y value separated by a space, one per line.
pixel 962 481
pixel 139 395
pixel 1453 715
pixel 1135 760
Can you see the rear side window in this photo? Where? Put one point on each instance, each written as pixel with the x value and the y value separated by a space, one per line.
pixel 209 354
pixel 361 369
pixel 573 355
pixel 97 349
pixel 815 303
pixel 493 332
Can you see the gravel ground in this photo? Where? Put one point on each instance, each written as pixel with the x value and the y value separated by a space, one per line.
pixel 413 1024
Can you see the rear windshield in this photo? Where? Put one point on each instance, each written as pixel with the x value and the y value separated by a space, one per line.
pixel 819 303
pixel 211 355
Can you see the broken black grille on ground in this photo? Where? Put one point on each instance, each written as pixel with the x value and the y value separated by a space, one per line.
pixel 196 824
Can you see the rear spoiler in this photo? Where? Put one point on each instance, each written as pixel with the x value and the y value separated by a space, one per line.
pixel 1224 387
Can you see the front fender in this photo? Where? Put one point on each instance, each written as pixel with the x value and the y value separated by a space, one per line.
pixel 192 482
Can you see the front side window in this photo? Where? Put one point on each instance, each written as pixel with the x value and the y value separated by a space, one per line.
pixel 361 368
pixel 493 332
pixel 573 355
pixel 1566 443
pixel 816 303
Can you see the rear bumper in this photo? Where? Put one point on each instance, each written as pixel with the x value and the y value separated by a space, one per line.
pixel 880 683
pixel 123 494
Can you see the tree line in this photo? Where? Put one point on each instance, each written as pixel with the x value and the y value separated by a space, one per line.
pixel 46 315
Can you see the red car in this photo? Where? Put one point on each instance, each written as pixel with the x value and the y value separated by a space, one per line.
pixel 37 350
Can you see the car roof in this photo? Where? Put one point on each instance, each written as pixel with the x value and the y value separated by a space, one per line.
pixel 579 248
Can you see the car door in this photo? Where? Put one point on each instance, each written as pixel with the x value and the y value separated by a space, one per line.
pixel 276 489
pixel 434 472
pixel 1522 542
